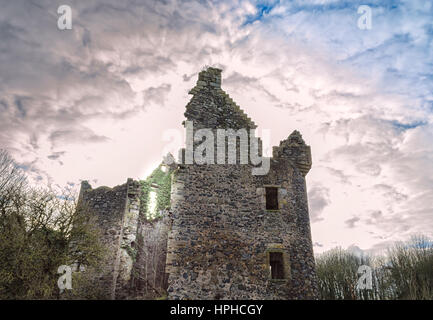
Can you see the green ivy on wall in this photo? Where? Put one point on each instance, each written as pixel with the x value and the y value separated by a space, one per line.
pixel 163 181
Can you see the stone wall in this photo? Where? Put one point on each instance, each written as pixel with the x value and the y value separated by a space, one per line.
pixel 136 247
pixel 222 233
pixel 117 212
pixel 130 230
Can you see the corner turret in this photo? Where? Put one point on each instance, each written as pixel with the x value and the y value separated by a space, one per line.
pixel 295 149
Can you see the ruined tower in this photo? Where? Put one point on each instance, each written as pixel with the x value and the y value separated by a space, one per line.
pixel 228 233
pixel 236 235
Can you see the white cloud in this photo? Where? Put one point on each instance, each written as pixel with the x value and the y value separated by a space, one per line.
pixel 74 105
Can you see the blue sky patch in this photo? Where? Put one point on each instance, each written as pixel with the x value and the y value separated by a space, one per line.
pixel 263 8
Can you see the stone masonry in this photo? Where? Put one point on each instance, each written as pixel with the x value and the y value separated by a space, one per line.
pixel 223 240
pixel 117 212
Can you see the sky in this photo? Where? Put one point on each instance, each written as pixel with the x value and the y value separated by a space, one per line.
pixel 96 102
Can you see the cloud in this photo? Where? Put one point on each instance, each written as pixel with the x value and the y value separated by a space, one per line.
pixel 156 95
pixel 369 168
pixel 68 136
pixel 351 222
pixel 74 104
pixel 318 199
pixel 355 250
pixel 56 155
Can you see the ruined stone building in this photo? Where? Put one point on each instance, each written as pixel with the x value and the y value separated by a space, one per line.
pixel 211 231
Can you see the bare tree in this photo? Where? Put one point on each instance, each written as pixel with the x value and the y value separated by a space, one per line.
pixel 406 272
pixel 40 230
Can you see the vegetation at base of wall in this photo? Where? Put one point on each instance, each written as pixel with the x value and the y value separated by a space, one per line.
pixel 406 272
pixel 163 181
pixel 163 297
pixel 40 230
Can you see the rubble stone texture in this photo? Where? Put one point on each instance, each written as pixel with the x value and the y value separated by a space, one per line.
pixel 219 234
